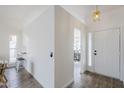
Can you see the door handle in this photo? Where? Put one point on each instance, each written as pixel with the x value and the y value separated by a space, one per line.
pixel 51 54
pixel 95 53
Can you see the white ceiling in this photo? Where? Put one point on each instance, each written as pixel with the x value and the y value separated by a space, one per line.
pixel 102 8
pixel 82 12
pixel 19 16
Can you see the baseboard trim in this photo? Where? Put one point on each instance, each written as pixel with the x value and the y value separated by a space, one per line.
pixel 33 77
pixel 81 72
pixel 123 82
pixel 68 83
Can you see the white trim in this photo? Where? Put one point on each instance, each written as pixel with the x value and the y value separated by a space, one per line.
pixel 82 71
pixel 34 77
pixel 123 82
pixel 68 83
pixel 108 28
pixel 121 56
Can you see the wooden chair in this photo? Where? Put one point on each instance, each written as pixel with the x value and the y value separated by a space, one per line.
pixel 2 71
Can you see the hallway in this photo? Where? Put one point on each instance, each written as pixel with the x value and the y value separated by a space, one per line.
pixel 92 80
pixel 21 79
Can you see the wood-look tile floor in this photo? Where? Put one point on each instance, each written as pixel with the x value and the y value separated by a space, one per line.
pixel 21 79
pixel 92 80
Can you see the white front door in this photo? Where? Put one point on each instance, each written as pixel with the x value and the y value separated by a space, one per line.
pixel 106 53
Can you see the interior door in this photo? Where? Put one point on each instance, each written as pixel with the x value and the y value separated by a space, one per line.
pixel 106 52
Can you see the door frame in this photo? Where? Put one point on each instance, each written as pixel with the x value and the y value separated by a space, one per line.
pixel 120 48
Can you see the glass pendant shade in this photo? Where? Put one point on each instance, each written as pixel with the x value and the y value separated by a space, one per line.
pixel 96 15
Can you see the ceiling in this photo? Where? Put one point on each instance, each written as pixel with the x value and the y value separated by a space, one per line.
pixel 18 16
pixel 82 12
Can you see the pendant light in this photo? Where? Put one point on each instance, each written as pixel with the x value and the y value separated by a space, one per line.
pixel 96 14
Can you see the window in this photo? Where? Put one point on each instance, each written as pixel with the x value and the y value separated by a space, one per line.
pixel 77 45
pixel 12 48
pixel 90 49
pixel 77 42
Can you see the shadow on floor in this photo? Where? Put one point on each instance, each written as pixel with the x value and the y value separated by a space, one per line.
pixel 21 79
pixel 92 80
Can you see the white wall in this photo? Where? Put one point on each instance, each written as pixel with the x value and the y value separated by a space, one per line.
pixel 64 33
pixel 40 39
pixel 5 32
pixel 39 42
pixel 112 19
pixel 63 48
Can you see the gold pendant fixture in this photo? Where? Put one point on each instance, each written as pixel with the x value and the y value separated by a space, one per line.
pixel 96 14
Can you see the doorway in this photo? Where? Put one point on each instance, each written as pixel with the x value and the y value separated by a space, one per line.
pixel 105 53
pixel 12 49
pixel 77 53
